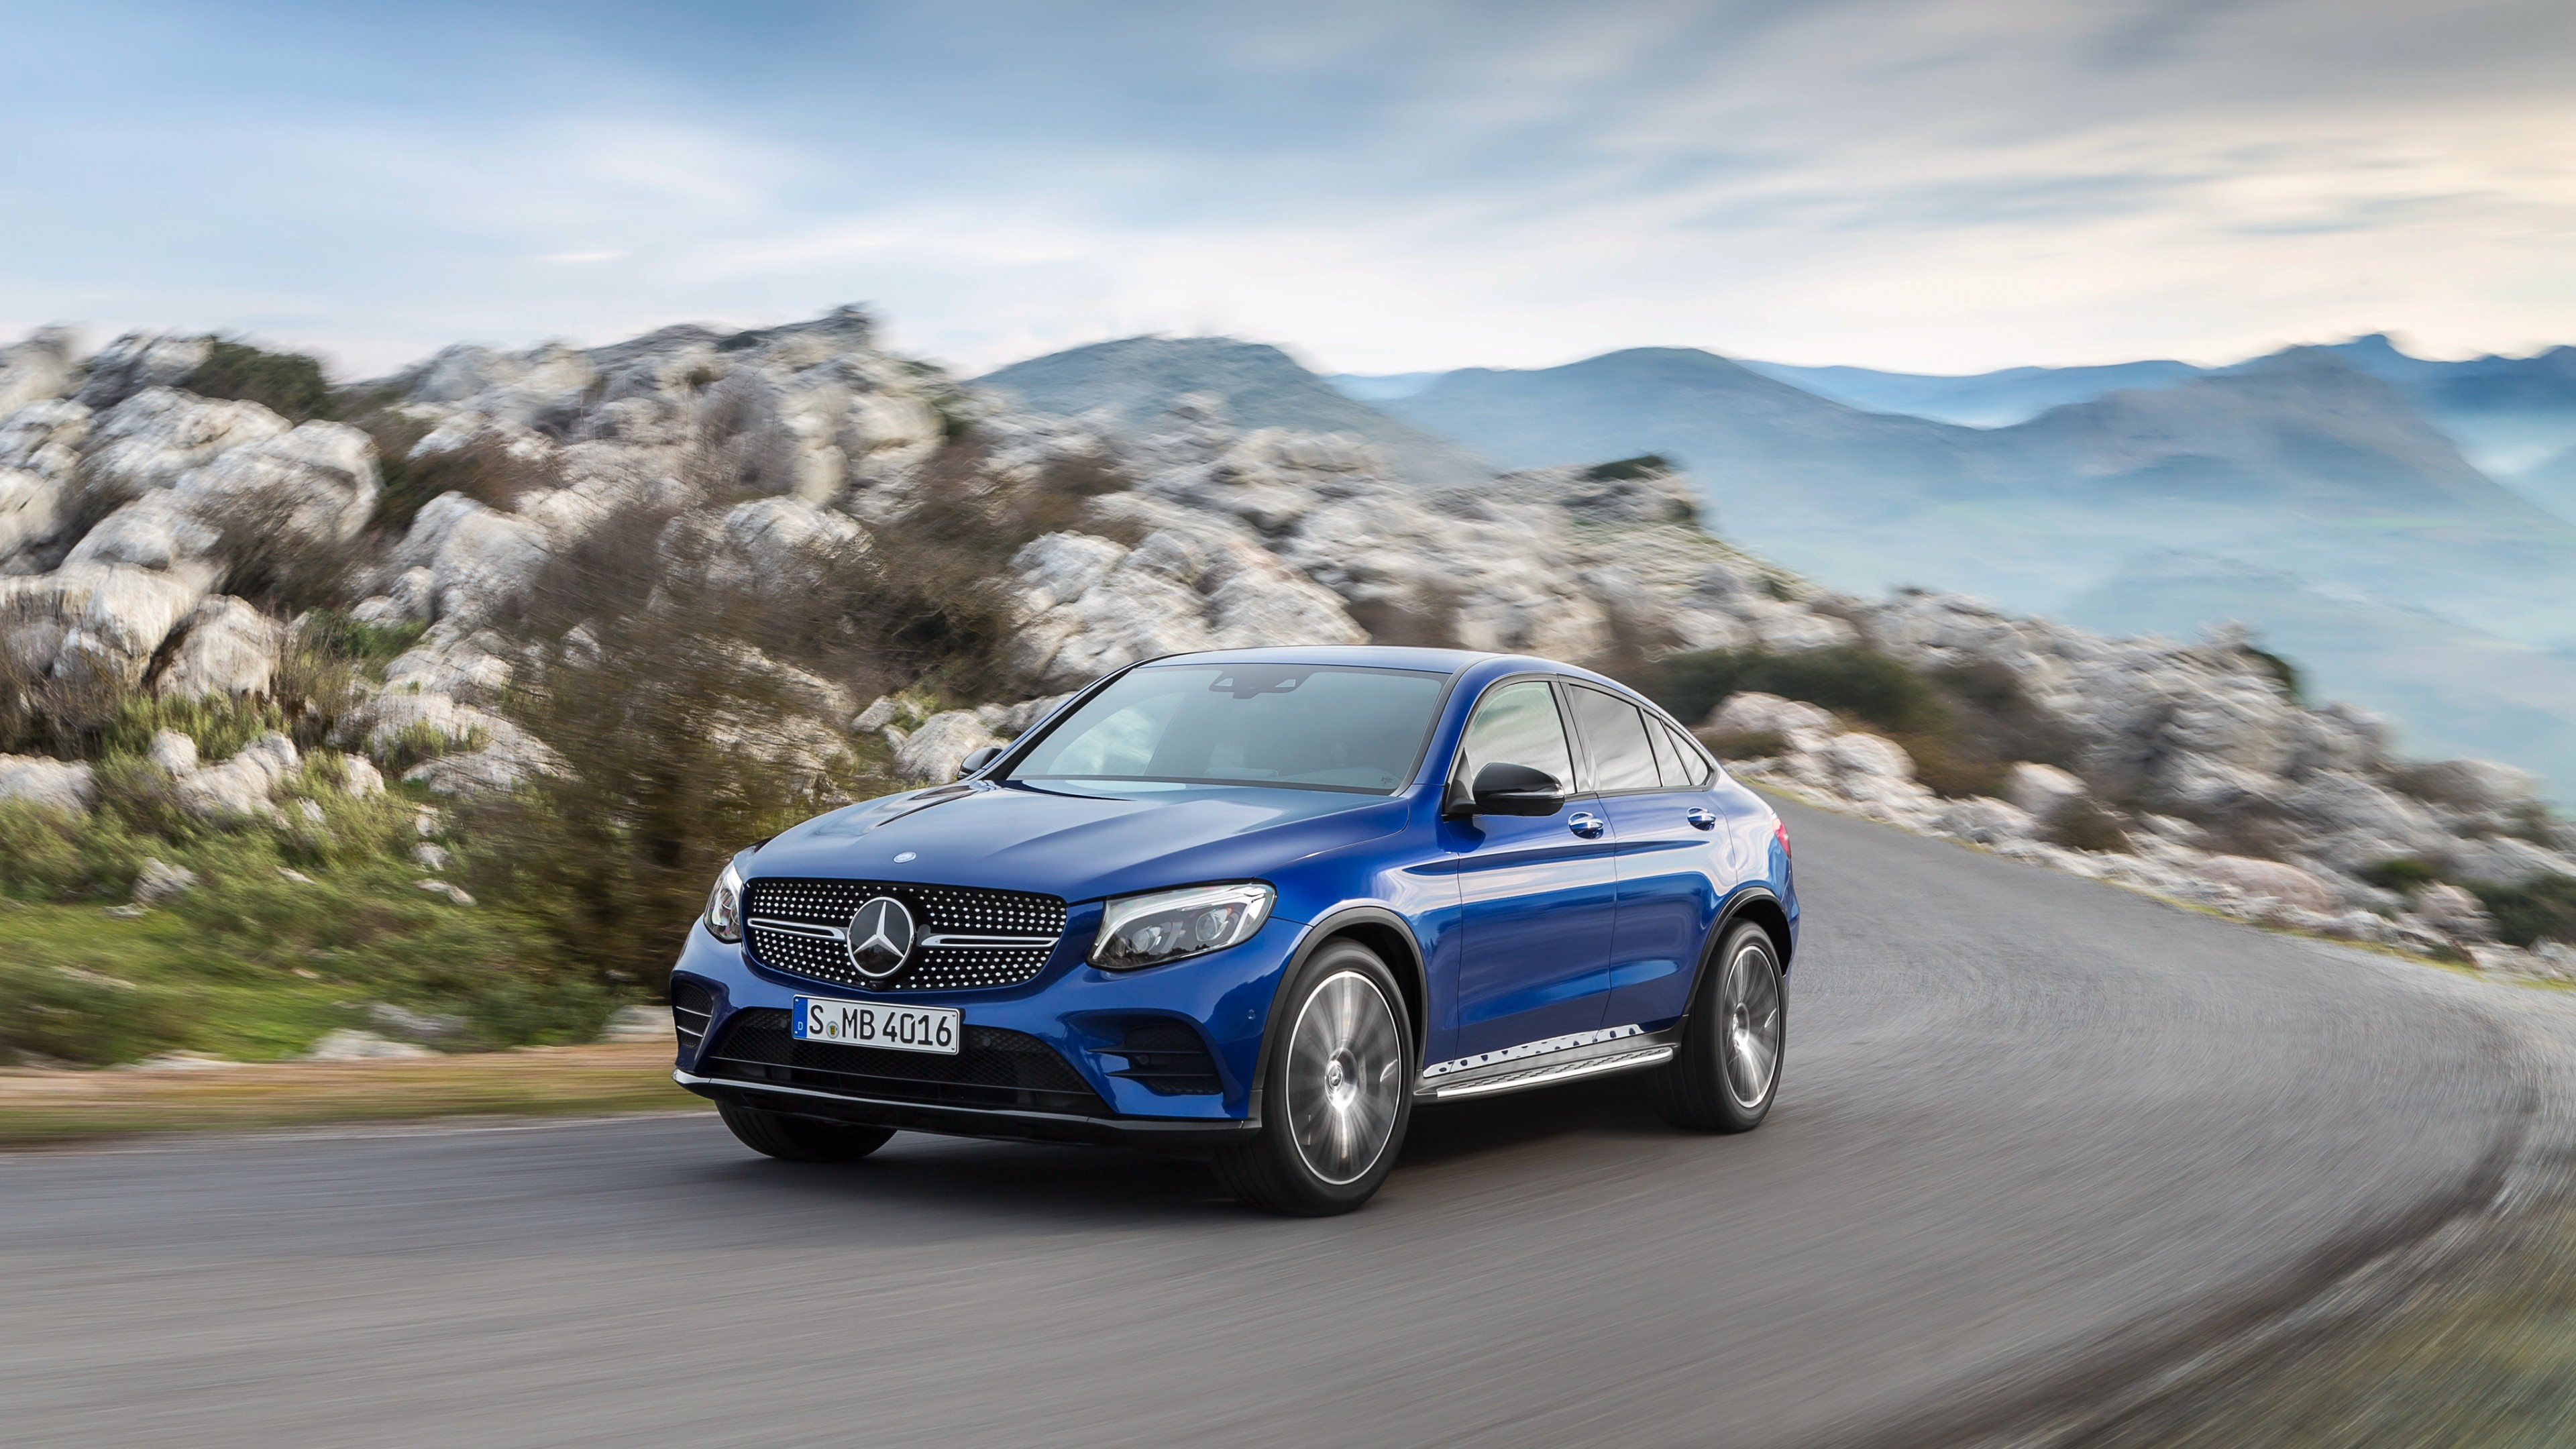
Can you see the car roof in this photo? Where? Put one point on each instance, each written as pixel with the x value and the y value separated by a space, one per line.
pixel 1374 656
pixel 1394 656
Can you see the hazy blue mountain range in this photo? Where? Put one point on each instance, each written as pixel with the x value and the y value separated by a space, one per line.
pixel 1263 387
pixel 1978 400
pixel 2320 494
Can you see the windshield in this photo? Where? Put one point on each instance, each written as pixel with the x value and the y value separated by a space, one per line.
pixel 1315 727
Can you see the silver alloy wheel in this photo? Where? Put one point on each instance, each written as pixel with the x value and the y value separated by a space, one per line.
pixel 1345 1060
pixel 1749 1007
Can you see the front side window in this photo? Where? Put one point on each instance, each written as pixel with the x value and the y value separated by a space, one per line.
pixel 1517 724
pixel 1303 726
pixel 1614 739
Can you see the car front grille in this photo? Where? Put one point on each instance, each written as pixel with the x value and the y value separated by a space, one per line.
pixel 997 938
pixel 1168 1058
pixel 691 1005
pixel 992 1068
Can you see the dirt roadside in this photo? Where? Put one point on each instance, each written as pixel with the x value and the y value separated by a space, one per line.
pixel 56 1108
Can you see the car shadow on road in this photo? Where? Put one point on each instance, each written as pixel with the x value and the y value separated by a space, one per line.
pixel 975 1185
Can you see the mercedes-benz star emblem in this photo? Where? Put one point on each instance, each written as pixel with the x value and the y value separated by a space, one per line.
pixel 880 937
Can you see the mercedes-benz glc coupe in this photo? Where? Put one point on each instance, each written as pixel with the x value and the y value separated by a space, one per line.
pixel 1253 906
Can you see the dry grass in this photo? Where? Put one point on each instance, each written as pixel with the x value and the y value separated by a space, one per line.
pixel 40 1108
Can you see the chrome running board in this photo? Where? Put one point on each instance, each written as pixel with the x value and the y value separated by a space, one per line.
pixel 1556 1059
pixel 1558 1072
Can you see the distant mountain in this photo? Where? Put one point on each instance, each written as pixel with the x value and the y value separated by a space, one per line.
pixel 1137 378
pixel 2297 465
pixel 2507 415
pixel 1979 400
pixel 1379 387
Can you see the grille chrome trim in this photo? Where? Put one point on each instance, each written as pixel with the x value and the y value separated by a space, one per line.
pixel 971 937
pixel 799 928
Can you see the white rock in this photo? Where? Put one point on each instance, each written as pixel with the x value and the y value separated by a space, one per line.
pixel 455 894
pixel 2454 912
pixel 61 786
pixel 161 883
pixel 1986 821
pixel 37 370
pixel 2287 884
pixel 638 1024
pixel 1855 753
pixel 351 1045
pixel 243 785
pixel 932 752
pixel 2041 790
pixel 431 857
pixel 360 778
pixel 225 647
pixel 2472 784
pixel 174 752
pixel 1753 712
pixel 140 360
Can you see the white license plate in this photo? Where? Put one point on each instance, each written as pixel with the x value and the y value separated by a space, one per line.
pixel 870 1023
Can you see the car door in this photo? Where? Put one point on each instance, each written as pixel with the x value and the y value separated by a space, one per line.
pixel 1539 893
pixel 1671 858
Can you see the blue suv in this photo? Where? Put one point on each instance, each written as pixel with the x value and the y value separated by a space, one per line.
pixel 1252 906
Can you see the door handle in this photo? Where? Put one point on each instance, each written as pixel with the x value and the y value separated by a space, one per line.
pixel 1585 824
pixel 1702 817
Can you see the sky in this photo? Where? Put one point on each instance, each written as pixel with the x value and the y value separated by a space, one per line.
pixel 1923 185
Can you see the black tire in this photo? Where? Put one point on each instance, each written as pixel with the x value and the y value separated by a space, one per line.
pixel 1710 1085
pixel 1340 1074
pixel 801 1139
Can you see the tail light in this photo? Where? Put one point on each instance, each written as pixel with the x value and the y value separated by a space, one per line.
pixel 1780 833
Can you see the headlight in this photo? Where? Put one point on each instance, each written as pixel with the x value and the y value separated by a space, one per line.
pixel 724 906
pixel 1168 925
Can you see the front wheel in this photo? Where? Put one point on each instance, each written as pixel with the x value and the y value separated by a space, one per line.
pixel 801 1139
pixel 1336 1095
pixel 1728 1068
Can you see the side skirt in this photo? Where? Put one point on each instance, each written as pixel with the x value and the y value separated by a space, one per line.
pixel 1541 1064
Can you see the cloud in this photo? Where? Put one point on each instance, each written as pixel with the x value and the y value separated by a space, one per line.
pixel 1940 184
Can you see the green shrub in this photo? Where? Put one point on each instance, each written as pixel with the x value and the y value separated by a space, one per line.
pixel 2403 873
pixel 1644 465
pixel 289 384
pixel 1847 679
pixel 78 1015
pixel 2535 908
pixel 2283 672
pixel 2082 825
pixel 484 471
pixel 220 724
pixel 1743 744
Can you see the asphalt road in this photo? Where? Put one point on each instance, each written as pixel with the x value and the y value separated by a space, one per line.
pixel 2034 1132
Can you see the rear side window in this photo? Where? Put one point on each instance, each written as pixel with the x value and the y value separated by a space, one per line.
pixel 1614 739
pixel 1685 768
pixel 1517 724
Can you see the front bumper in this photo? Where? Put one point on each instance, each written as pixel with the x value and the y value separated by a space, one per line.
pixel 1079 1012
pixel 1160 1134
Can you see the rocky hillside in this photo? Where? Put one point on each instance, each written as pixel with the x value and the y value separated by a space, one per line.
pixel 584 620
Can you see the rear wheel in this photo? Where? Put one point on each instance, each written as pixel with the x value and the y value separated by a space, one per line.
pixel 1337 1093
pixel 801 1139
pixel 1728 1068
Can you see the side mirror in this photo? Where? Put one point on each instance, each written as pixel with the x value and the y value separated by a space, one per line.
pixel 977 759
pixel 1502 788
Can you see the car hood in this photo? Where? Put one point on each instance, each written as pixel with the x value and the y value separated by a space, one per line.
pixel 1077 843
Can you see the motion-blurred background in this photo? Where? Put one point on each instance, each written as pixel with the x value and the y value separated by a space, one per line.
pixel 445 465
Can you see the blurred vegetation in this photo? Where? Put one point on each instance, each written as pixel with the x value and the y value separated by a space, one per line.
pixel 289 384
pixel 2535 908
pixel 1961 725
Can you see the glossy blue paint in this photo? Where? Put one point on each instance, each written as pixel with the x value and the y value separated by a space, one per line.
pixel 1520 929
